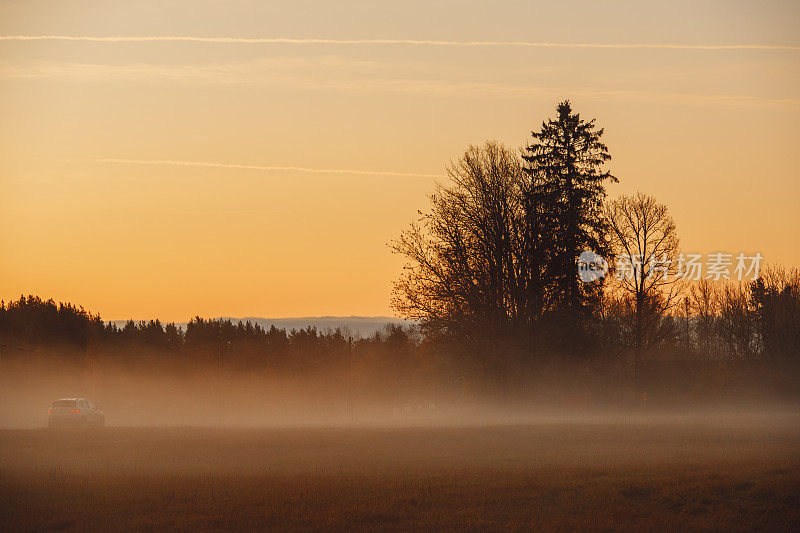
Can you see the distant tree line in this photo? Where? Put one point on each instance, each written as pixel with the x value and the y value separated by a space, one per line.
pixel 64 329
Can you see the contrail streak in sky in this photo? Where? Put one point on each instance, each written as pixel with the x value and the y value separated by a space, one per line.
pixel 262 167
pixel 286 40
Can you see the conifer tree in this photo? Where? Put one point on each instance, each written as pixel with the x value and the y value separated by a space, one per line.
pixel 565 163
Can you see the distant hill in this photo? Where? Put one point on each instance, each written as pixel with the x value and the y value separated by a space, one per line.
pixel 364 326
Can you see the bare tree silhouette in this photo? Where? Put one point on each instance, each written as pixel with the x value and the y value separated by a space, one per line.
pixel 645 239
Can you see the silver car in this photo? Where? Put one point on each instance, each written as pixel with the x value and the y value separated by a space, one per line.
pixel 75 412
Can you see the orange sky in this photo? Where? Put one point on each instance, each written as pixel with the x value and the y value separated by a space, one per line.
pixel 90 213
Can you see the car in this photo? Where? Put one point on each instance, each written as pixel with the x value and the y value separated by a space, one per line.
pixel 75 412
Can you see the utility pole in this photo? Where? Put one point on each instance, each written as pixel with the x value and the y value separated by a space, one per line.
pixel 219 381
pixel 686 314
pixel 350 379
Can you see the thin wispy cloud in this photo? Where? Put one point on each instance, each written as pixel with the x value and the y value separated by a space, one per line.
pixel 262 70
pixel 413 42
pixel 268 168
pixel 341 74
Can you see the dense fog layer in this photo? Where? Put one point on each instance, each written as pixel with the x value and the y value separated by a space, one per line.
pixel 149 393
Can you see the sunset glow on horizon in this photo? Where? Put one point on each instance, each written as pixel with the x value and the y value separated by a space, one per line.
pixel 250 159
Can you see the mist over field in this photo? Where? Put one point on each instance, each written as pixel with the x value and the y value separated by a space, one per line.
pixel 376 433
pixel 153 392
pixel 281 452
pixel 214 447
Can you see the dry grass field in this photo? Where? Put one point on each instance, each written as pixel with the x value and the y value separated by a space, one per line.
pixel 620 473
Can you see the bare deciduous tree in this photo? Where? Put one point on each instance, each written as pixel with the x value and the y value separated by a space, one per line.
pixel 644 234
pixel 465 277
pixel 704 301
pixel 736 327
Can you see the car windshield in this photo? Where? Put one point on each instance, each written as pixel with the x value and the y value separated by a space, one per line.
pixel 64 403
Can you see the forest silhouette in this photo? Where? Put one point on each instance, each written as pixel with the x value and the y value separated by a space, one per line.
pixel 494 296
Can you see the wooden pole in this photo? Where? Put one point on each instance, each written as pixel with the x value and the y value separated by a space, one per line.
pixel 350 379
